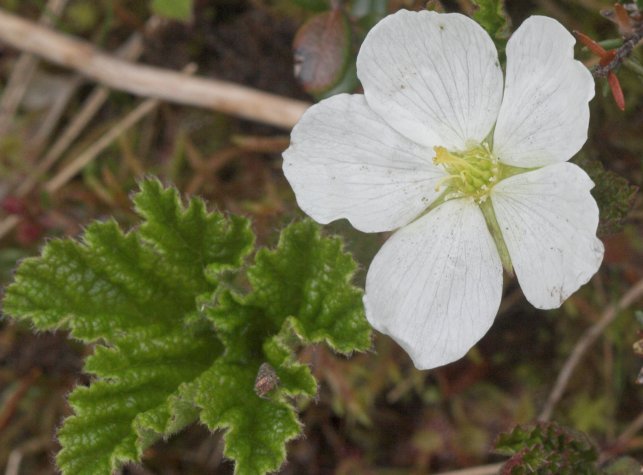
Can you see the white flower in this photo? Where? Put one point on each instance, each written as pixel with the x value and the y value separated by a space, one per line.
pixel 467 172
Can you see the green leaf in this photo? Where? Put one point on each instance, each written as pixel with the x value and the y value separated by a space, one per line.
pixel 257 428
pixel 308 277
pixel 301 294
pixel 173 343
pixel 191 240
pixel 134 294
pixel 174 9
pixel 546 448
pixel 613 193
pixel 492 16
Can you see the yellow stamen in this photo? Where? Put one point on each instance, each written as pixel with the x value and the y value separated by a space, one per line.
pixel 471 173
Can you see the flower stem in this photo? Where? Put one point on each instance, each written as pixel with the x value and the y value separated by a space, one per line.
pixel 496 232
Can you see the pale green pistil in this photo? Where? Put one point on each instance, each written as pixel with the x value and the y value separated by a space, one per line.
pixel 471 173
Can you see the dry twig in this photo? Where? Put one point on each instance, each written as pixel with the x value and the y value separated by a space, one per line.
pixel 23 71
pixel 590 336
pixel 11 404
pixel 8 223
pixel 31 446
pixel 148 81
pixel 480 470
pixel 635 426
pixel 621 442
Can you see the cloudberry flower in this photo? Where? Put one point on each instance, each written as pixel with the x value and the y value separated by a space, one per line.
pixel 471 175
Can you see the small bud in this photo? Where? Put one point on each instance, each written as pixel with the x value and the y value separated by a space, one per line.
pixel 266 380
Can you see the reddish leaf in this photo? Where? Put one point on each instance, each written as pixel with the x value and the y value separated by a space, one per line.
pixel 617 92
pixel 14 205
pixel 322 51
pixel 592 45
pixel 623 20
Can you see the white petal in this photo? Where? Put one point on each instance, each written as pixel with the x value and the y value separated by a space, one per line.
pixel 433 77
pixel 548 220
pixel 345 162
pixel 435 286
pixel 545 112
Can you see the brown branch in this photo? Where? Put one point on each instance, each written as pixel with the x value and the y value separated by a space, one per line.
pixel 621 442
pixel 622 52
pixel 590 336
pixel 11 405
pixel 147 81
pixel 635 426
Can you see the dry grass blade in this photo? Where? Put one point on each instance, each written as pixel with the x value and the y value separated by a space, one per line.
pixel 92 152
pixel 132 49
pixel 149 81
pixel 480 470
pixel 52 118
pixel 24 70
pixel 586 341
pixel 31 446
pixel 78 163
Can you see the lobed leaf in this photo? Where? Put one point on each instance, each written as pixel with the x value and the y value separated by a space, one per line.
pixel 308 277
pixel 301 294
pixel 257 428
pixel 190 239
pixel 133 293
pixel 173 343
pixel 492 16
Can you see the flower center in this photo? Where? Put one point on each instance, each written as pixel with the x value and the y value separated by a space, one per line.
pixel 471 173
